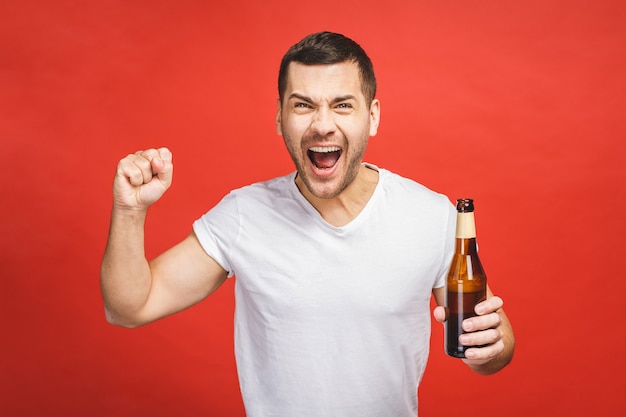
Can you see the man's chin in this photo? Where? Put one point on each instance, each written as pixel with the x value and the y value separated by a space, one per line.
pixel 322 188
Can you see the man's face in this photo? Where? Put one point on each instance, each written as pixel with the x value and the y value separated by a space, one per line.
pixel 326 123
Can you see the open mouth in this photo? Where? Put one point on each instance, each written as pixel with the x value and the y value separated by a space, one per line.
pixel 324 157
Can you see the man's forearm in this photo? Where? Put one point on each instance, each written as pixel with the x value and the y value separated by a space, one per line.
pixel 125 277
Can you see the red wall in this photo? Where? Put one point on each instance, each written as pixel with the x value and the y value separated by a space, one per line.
pixel 519 105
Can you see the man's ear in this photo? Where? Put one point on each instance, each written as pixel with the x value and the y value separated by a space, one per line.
pixel 279 130
pixel 374 117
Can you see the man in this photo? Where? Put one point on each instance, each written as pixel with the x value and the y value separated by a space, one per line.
pixel 335 263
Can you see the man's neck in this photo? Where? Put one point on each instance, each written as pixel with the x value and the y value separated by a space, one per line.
pixel 345 207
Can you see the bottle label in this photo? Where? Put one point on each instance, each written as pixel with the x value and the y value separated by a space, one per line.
pixel 465 226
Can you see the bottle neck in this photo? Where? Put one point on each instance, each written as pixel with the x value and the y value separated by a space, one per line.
pixel 465 226
pixel 465 246
pixel 465 233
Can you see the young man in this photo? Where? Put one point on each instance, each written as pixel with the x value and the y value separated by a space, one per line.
pixel 335 263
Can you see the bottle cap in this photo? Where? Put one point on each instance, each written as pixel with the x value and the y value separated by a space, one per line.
pixel 465 205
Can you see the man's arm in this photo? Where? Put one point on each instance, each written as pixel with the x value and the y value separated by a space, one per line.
pixel 137 291
pixel 491 328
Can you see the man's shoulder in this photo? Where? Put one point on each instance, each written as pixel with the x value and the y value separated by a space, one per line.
pixel 271 186
pixel 267 193
pixel 409 188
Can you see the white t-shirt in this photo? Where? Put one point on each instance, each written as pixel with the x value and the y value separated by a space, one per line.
pixel 331 321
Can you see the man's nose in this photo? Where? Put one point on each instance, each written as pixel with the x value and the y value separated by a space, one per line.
pixel 323 122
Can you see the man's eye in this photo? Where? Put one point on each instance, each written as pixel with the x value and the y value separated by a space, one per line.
pixel 302 105
pixel 344 106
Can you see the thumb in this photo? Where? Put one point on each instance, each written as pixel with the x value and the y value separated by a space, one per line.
pixel 440 313
pixel 162 166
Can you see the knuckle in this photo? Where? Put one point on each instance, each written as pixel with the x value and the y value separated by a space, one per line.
pixel 496 335
pixel 150 154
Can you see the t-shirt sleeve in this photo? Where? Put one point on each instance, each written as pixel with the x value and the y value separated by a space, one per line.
pixel 218 229
pixel 448 245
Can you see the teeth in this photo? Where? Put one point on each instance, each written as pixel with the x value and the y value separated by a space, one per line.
pixel 325 149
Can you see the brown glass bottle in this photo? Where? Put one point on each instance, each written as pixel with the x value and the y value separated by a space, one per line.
pixel 466 284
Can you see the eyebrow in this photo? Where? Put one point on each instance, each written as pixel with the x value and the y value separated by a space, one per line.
pixel 309 100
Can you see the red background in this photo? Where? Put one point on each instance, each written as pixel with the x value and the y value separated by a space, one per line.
pixel 519 105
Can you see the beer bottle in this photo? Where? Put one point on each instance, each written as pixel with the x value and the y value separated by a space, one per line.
pixel 466 284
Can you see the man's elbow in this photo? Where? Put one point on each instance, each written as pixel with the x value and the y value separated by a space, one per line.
pixel 117 320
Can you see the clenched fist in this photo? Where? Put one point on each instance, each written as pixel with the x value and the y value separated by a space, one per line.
pixel 142 178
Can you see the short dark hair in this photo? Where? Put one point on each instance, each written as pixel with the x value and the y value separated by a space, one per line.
pixel 325 48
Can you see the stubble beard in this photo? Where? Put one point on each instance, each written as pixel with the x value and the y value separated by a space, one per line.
pixel 353 165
